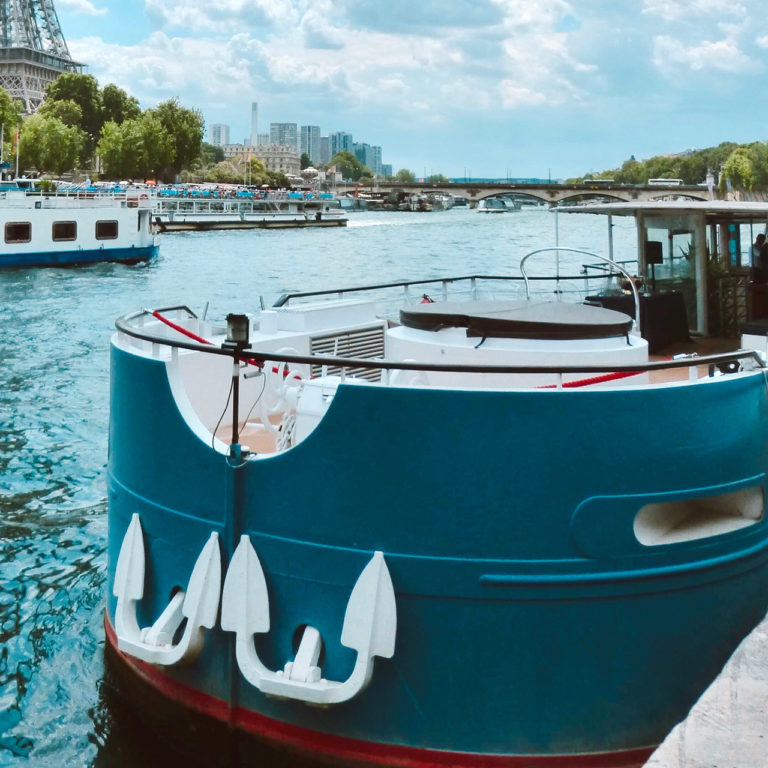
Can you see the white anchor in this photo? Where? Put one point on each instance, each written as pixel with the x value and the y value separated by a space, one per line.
pixel 198 605
pixel 370 624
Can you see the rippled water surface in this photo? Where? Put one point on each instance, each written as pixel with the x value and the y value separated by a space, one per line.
pixel 54 380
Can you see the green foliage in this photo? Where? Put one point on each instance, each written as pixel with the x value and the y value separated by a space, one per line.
pixel 437 178
pixel 349 166
pixel 135 149
pixel 366 181
pixel 66 110
pixel 304 161
pixel 185 129
pixel 84 91
pixel 210 154
pixel 738 169
pixel 48 144
pixel 117 105
pixel 405 175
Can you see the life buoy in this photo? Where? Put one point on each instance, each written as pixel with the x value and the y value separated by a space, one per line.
pixel 143 197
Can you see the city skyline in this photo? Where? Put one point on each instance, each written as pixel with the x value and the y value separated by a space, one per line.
pixel 479 87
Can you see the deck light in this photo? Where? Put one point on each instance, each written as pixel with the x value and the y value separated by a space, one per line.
pixel 237 330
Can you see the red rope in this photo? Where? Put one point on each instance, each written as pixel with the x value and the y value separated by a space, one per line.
pixel 186 332
pixel 594 380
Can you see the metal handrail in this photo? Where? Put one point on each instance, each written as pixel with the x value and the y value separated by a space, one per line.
pixel 123 324
pixel 613 263
pixel 287 297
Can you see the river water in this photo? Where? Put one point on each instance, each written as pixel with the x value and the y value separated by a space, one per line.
pixel 54 385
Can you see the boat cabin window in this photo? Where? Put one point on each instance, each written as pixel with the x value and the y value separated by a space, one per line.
pixel 64 230
pixel 18 232
pixel 106 230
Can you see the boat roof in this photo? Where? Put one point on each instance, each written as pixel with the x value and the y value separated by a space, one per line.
pixel 714 210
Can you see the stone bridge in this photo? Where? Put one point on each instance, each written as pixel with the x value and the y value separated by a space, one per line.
pixel 547 193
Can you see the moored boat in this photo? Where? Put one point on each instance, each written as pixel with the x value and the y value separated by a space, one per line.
pixel 41 229
pixel 492 205
pixel 180 214
pixel 489 531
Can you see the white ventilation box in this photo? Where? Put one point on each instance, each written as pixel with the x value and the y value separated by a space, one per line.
pixel 306 318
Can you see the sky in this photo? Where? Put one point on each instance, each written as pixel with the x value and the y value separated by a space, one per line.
pixel 480 88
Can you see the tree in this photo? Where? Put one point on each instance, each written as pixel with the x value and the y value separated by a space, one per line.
pixel 738 170
pixel 185 129
pixel 10 119
pixel 210 154
pixel 84 91
pixel 138 148
pixel 66 110
pixel 405 175
pixel 304 161
pixel 48 144
pixel 117 105
pixel 437 178
pixel 349 166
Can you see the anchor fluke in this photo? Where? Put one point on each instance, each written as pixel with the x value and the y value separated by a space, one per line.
pixel 370 621
pixel 370 625
pixel 199 604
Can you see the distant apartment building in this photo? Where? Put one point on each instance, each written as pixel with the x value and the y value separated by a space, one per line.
pixel 284 135
pixel 218 134
pixel 261 139
pixel 386 169
pixel 340 141
pixel 275 157
pixel 254 123
pixel 310 143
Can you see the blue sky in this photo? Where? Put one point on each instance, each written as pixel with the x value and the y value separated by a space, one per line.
pixel 485 87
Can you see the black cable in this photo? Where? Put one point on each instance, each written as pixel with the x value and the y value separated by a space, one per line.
pixel 226 405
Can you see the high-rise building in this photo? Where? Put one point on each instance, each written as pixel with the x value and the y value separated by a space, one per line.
pixel 310 142
pixel 33 52
pixel 254 123
pixel 340 141
pixel 325 150
pixel 369 156
pixel 262 139
pixel 284 135
pixel 218 134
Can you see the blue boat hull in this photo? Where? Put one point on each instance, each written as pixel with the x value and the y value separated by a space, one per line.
pixel 531 623
pixel 81 256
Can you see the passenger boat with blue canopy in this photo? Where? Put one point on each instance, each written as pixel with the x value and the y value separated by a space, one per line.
pixel 444 522
pixel 47 230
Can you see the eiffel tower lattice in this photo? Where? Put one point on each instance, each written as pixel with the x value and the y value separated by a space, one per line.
pixel 33 52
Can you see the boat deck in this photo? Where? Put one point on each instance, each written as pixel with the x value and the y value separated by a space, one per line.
pixel 258 439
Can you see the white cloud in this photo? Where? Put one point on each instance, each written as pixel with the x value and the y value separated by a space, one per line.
pixel 682 10
pixel 670 55
pixel 221 15
pixel 85 7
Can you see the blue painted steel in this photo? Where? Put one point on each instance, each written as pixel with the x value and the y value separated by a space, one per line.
pixel 79 256
pixel 521 629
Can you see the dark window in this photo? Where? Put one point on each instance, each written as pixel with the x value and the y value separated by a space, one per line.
pixel 106 230
pixel 64 230
pixel 18 232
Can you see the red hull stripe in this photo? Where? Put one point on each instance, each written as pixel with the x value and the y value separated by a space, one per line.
pixel 314 743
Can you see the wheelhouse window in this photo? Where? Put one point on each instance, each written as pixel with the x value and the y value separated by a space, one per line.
pixel 64 230
pixel 106 230
pixel 18 232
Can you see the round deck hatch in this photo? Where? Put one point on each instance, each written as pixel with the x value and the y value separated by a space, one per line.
pixel 519 319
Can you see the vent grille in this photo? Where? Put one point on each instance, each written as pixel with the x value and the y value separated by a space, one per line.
pixel 366 343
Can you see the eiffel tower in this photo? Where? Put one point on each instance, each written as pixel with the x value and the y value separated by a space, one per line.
pixel 33 52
